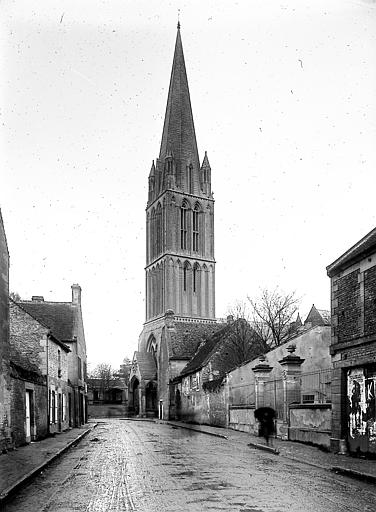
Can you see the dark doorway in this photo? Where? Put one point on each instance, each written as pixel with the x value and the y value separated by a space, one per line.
pixel 151 398
pixel 177 404
pixel 135 399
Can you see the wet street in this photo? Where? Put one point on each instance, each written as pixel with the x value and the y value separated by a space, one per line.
pixel 152 467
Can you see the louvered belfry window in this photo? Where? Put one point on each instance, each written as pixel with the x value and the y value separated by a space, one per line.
pixel 183 226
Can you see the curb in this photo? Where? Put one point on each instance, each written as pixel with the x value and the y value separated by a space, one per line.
pixel 26 478
pixel 149 420
pixel 263 447
pixel 222 436
pixel 365 477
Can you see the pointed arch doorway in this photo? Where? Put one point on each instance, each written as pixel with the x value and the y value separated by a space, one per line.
pixel 151 399
pixel 135 396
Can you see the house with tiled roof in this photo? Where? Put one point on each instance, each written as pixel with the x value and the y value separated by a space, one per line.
pixel 196 399
pixel 65 324
pixel 34 343
pixel 180 263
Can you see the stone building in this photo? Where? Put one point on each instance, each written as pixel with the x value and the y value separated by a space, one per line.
pixel 353 347
pixel 35 347
pixel 64 319
pixel 194 396
pixel 180 265
pixel 294 379
pixel 5 387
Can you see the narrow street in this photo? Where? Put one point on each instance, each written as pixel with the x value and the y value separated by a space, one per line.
pixel 148 467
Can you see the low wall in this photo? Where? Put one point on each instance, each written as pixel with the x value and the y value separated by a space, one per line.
pixel 242 418
pixel 311 423
pixel 106 410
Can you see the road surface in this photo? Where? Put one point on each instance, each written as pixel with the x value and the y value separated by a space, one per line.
pixel 125 465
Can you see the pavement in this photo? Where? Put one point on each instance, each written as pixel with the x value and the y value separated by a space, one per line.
pixel 354 467
pixel 18 467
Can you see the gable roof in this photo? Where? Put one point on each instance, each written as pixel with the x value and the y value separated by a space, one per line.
pixel 146 365
pixel 57 316
pixel 184 339
pixel 57 340
pixel 204 351
pixel 359 250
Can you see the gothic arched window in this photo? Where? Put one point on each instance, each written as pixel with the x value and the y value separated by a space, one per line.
pixel 185 278
pixel 183 226
pixel 152 347
pixel 195 277
pixel 195 230
pixel 190 178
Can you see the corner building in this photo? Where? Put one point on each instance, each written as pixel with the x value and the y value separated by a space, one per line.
pixel 180 265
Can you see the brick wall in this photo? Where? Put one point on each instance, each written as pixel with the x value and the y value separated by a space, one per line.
pixel 348 309
pixel 370 301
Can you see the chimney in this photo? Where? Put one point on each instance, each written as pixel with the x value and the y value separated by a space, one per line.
pixel 37 298
pixel 76 294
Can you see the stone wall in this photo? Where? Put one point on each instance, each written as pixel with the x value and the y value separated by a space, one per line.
pixel 311 423
pixel 311 345
pixel 205 404
pixel 38 409
pixel 107 410
pixel 5 383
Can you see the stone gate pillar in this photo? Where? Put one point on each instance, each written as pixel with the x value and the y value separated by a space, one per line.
pixel 291 385
pixel 262 372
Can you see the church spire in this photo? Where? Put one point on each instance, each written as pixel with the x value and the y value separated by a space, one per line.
pixel 178 131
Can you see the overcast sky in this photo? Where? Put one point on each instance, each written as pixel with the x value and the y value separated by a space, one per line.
pixel 283 98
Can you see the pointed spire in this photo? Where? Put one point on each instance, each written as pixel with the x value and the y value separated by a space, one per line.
pixel 152 170
pixel 178 131
pixel 205 162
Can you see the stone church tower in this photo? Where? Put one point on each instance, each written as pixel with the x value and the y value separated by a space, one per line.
pixel 180 265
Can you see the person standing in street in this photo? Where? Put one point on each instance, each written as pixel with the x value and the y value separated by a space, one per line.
pixel 266 418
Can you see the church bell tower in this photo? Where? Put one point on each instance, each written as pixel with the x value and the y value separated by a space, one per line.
pixel 180 265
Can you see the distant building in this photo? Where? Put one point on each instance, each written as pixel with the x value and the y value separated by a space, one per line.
pixel 64 319
pixel 107 399
pixel 317 317
pixel 353 346
pixel 180 264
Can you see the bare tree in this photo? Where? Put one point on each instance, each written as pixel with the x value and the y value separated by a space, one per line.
pixel 15 296
pixel 242 341
pixel 125 370
pixel 104 373
pixel 272 316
